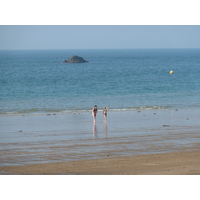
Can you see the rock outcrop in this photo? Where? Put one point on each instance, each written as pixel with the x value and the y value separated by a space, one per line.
pixel 75 59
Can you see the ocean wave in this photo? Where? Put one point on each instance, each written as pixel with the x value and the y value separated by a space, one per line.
pixel 37 111
pixel 142 108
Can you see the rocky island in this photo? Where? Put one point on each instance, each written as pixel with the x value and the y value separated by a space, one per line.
pixel 75 59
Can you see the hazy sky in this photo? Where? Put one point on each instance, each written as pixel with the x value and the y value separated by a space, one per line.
pixel 98 37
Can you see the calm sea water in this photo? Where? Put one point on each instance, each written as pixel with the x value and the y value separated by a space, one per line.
pixel 37 81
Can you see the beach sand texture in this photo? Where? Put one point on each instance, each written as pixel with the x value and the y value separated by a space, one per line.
pixel 148 142
pixel 179 163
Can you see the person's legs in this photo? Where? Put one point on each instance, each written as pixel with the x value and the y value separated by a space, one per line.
pixel 105 117
pixel 94 117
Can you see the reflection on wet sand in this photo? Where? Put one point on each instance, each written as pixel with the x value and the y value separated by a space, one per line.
pixel 105 128
pixel 94 130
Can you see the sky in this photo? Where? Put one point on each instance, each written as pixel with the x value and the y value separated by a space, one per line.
pixel 14 37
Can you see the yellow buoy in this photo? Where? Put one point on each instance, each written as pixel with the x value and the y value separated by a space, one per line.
pixel 171 72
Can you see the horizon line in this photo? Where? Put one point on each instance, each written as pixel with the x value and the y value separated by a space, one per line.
pixel 102 48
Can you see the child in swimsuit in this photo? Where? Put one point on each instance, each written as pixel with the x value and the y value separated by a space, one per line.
pixel 105 109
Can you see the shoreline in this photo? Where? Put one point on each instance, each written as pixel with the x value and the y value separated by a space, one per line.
pixel 176 163
pixel 48 112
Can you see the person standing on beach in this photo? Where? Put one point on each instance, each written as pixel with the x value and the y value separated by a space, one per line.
pixel 94 113
pixel 105 109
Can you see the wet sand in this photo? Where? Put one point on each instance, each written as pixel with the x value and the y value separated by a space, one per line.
pixel 130 142
pixel 177 163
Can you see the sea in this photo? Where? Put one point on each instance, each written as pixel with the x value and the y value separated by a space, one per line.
pixel 37 81
pixel 45 104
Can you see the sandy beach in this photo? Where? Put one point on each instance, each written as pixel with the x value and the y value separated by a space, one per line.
pixel 179 163
pixel 149 142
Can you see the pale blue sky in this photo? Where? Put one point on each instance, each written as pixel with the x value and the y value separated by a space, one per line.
pixel 98 37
